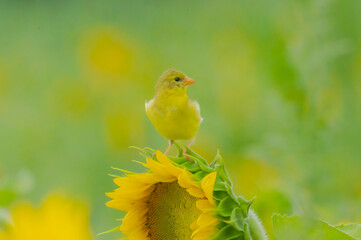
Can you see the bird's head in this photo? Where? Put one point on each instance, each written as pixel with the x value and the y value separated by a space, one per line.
pixel 173 80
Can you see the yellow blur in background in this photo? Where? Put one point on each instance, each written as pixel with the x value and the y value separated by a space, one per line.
pixel 57 218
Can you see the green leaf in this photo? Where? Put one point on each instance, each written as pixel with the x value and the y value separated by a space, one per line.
pixel 352 229
pixel 231 193
pixel 245 205
pixel 220 186
pixel 202 165
pixel 228 233
pixel 180 149
pixel 220 195
pixel 217 160
pixel 191 166
pixel 237 219
pixel 200 175
pixel 222 173
pixel 226 206
pixel 302 228
pixel 178 160
pixel 190 152
pixel 223 186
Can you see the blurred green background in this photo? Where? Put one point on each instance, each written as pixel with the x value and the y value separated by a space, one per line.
pixel 278 83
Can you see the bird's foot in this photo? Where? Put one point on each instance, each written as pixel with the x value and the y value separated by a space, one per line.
pixel 169 147
pixel 185 155
pixel 185 150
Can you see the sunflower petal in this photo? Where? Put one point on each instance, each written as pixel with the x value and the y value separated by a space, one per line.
pixel 208 185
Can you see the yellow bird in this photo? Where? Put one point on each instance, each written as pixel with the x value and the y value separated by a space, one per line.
pixel 173 114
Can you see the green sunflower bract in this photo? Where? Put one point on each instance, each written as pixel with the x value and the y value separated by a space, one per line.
pixel 182 198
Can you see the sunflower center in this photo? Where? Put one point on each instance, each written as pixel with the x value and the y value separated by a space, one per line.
pixel 171 212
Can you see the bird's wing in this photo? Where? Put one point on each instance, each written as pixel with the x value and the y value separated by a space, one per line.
pixel 147 103
pixel 196 104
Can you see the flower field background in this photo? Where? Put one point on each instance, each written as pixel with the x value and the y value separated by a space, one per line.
pixel 278 82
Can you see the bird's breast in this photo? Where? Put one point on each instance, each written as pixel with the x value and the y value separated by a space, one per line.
pixel 175 119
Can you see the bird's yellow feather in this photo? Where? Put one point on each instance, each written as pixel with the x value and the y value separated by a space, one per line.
pixel 172 113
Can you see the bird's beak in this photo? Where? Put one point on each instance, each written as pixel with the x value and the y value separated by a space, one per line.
pixel 188 81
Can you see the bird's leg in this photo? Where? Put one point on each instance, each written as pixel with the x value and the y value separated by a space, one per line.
pixel 189 145
pixel 169 147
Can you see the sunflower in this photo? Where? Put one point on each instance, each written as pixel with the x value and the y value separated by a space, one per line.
pixel 182 198
pixel 58 218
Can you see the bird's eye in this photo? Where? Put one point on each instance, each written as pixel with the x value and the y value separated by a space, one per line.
pixel 177 79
